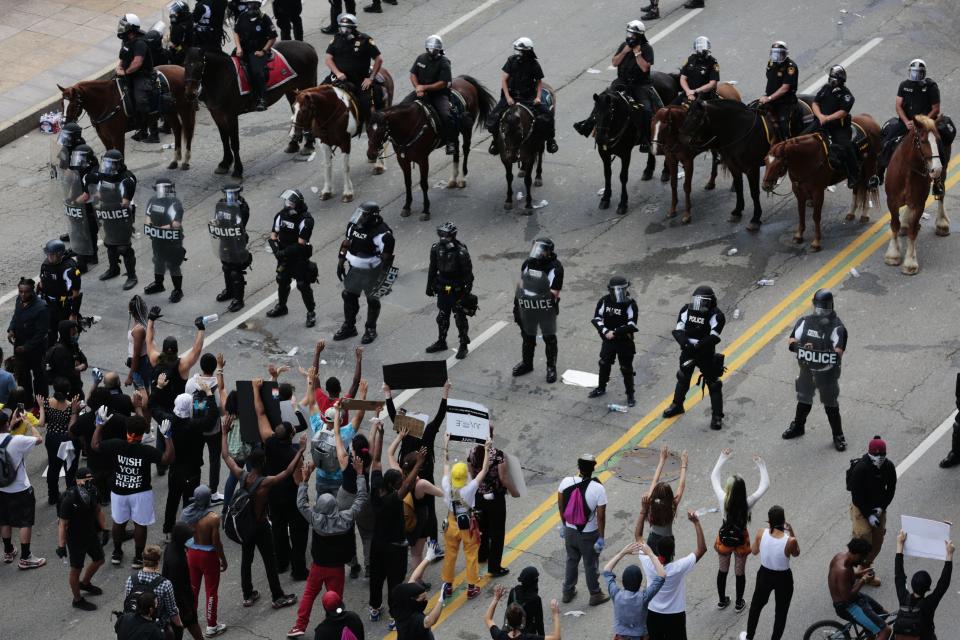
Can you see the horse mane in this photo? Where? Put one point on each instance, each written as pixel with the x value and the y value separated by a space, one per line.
pixel 925 122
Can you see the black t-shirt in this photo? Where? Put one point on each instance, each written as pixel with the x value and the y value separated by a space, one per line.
pixel 779 75
pixel 188 443
pixel 350 478
pixel 113 430
pixel 332 626
pixel 353 53
pixel 78 506
pixel 279 454
pixel 918 97
pixel 120 403
pixel 412 628
pixel 501 634
pixel 428 69
pixel 131 471
pixel 525 73
pixel 833 99
pixel 700 70
pixel 254 31
pixel 388 511
pixel 628 70
pixel 130 49
pixel 132 626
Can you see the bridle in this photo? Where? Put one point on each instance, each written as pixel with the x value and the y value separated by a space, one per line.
pixel 668 126
pixel 399 147
pixel 613 141
pixel 202 65
pixel 78 100
pixel 918 147
pixel 525 132
pixel 706 122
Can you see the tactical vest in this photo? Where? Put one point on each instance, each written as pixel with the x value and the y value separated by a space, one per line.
pixel 361 241
pixel 51 278
pixel 450 259
pixel 615 313
pixel 162 212
pixel 289 231
pixel 697 325
pixel 535 290
pixel 815 347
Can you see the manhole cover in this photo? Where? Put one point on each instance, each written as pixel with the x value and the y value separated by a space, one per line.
pixel 638 465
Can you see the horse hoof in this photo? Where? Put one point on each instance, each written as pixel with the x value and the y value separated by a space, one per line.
pixel 942 231
pixel 184 166
pixel 671 214
pixel 292 147
pixel 306 150
pixel 237 174
pixel 665 176
pixel 604 204
pixel 326 195
pixel 622 210
pixel 172 165
pixel 815 246
pixel 451 184
pixel 685 219
pixel 347 197
pixel 405 213
pixel 424 216
pixel 221 169
pixel 735 216
pixel 507 206
pixel 537 182
pixel 648 175
pixel 864 219
pixel 849 217
pixel 710 186
pixel 798 239
pixel 753 226
pixel 461 184
pixel 910 270
pixel 892 261
pixel 378 170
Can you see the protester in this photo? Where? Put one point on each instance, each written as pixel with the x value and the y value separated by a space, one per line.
pixel 236 447
pixel 492 506
pixel 339 624
pixel 331 387
pixel 630 603
pixel 140 624
pixel 323 448
pixel 918 607
pixel 100 464
pixel 176 570
pixel 409 601
pixel 65 359
pixel 733 539
pixel 27 333
pixel 140 369
pixel 211 374
pixel 59 414
pixel 849 572
pixel 459 493
pixel 514 623
pixel 18 504
pixel 417 522
pixel 582 502
pixel 659 505
pixel 193 415
pixel 80 520
pixel 7 383
pixel 872 483
pixel 526 595
pixel 347 494
pixel 167 615
pixel 775 544
pixel 204 555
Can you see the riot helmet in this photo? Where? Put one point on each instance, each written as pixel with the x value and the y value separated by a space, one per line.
pixel 251 5
pixel 837 76
pixel 70 135
pixel 177 10
pixel 618 287
pixel 54 250
pixel 81 157
pixel 434 45
pixel 155 34
pixel 823 302
pixel 127 24
pixel 701 45
pixel 523 45
pixel 778 52
pixel 542 249
pixel 918 70
pixel 111 166
pixel 367 215
pixel 164 188
pixel 231 194
pixel 347 22
pixel 704 299
pixel 293 199
pixel 447 231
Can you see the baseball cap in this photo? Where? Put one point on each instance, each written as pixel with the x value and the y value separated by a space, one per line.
pixel 458 475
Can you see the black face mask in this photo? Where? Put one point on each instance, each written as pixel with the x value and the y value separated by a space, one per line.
pixel 633 41
pixel 420 605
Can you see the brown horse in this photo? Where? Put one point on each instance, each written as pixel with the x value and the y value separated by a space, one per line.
pixel 805 158
pixel 408 128
pixel 915 164
pixel 330 113
pixel 211 77
pixel 102 101
pixel 520 144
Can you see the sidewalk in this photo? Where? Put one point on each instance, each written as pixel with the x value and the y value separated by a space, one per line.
pixel 48 42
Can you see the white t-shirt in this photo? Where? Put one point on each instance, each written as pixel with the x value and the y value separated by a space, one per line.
pixel 468 494
pixel 18 448
pixel 672 597
pixel 596 496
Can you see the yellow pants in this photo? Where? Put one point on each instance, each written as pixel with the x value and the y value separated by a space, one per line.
pixel 452 538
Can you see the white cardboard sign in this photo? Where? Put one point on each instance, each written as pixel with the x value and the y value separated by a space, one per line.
pixel 468 421
pixel 925 538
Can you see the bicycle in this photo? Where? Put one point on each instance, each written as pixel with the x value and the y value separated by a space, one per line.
pixel 834 630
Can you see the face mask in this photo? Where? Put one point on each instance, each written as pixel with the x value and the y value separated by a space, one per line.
pixel 133 439
pixel 877 460
pixel 345 30
pixel 421 605
pixel 74 339
pixel 632 40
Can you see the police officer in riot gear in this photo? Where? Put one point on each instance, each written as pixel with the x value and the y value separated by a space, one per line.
pixel 181 31
pixel 353 57
pixel 81 218
pixel 254 35
pixel 290 242
pixel 135 66
pixel 431 76
pixel 780 96
pixel 228 230
pixel 208 18
pixel 368 246
pixel 698 330
pixel 537 305
pixel 917 95
pixel 615 319
pixel 450 278
pixel 113 187
pixel 59 287
pixel 700 75
pixel 832 106
pixel 164 227
pixel 819 341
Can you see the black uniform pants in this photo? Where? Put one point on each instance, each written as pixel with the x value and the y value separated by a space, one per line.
pixel 116 251
pixel 780 583
pixel 31 372
pixel 642 94
pixel 388 562
pixel 529 346
pixel 168 256
pixel 840 140
pixel 364 98
pixel 57 311
pixel 233 279
pixel 180 486
pixel 440 100
pixel 289 535
pixel 492 518
pixel 257 68
pixel 447 304
pixel 891 134
pixel 622 349
pixel 287 14
pixel 351 309
pixel 337 7
pixel 710 369
pixel 298 270
pixel 140 89
pixel 782 112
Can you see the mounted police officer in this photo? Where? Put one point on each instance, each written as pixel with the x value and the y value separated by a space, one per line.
pixel 698 330
pixel 450 278
pixel 135 66
pixel 208 18
pixel 59 287
pixel 431 76
pixel 780 96
pixel 181 31
pixel 832 106
pixel 520 82
pixel 633 60
pixel 81 218
pixel 615 319
pixel 700 74
pixel 254 35
pixel 228 230
pixel 113 187
pixel 368 246
pixel 290 242
pixel 917 95
pixel 353 57
pixel 536 305
pixel 819 341
pixel 164 227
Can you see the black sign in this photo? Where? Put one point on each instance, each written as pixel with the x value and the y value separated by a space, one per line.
pixel 415 375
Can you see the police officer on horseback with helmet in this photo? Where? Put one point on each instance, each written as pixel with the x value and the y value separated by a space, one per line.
pixel 208 18
pixel 431 78
pixel 450 278
pixel 181 31
pixel 520 82
pixel 353 57
pixel 290 242
pixel 917 95
pixel 615 319
pixel 780 96
pixel 818 340
pixel 254 35
pixel 700 74
pixel 832 106
pixel 228 231
pixel 135 66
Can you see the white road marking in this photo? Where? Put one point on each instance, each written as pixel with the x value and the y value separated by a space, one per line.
pixel 924 446
pixel 853 57
pixel 467 16
pixel 236 322
pixel 660 35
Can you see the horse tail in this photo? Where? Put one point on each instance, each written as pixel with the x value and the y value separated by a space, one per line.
pixel 925 122
pixel 485 100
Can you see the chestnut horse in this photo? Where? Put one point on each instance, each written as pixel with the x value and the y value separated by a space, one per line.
pixel 407 127
pixel 212 78
pixel 805 158
pixel 330 113
pixel 102 101
pixel 519 144
pixel 915 164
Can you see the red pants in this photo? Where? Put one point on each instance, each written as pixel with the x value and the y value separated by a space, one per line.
pixel 319 576
pixel 205 565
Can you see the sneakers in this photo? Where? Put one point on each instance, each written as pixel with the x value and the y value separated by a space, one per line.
pixel 569 596
pixel 439 345
pixel 137 563
pixel 285 601
pixel 83 604
pixel 740 605
pixel 9 557
pixel 369 335
pixel 439 550
pixel 296 631
pixel 210 632
pixel 724 602
pixel 248 601
pixel 446 590
pixel 473 591
pixel 277 311
pixel 840 444
pixel 391 625
pixel 651 14
pixel 598 598
pixel 32 562
pixel 596 393
pixel 345 331
pixel 92 589
pixel 673 410
pixel 216 498
pixel 116 558
pixel 374 614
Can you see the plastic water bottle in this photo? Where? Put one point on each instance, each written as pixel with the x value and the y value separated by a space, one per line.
pixel 765 283
pixel 617 407
pixel 213 317
pixel 736 314
pixel 704 511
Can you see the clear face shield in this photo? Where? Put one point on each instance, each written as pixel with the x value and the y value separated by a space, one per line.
pixel 358 216
pixel 165 190
pixel 822 311
pixel 173 11
pixel 65 137
pixel 701 303
pixel 917 72
pixel 79 160
pixel 701 46
pixel 232 197
pixel 110 167
pixel 539 251
pixel 290 199
pixel 620 293
pixel 778 55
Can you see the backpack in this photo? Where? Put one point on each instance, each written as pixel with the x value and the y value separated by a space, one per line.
pixel 239 521
pixel 323 448
pixel 346 634
pixel 849 479
pixel 730 535
pixel 139 587
pixel 576 510
pixel 8 470
pixel 409 513
pixel 909 622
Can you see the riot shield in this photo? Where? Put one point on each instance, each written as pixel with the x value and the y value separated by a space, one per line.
pixel 81 240
pixel 537 310
pixel 228 238
pixel 116 218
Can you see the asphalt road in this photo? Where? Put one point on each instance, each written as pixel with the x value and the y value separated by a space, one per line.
pixel 898 371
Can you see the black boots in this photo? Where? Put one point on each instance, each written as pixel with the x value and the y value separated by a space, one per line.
pixel 585 127
pixel 798 427
pixel 550 351
pixel 177 294
pixel 345 331
pixel 836 427
pixel 369 335
pixel 439 345
pixel 279 309
pixel 675 409
pixel 953 458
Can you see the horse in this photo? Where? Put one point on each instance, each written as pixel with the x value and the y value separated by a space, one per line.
pixel 806 159
pixel 665 140
pixel 211 77
pixel 330 113
pixel 103 102
pixel 914 165
pixel 408 128
pixel 519 144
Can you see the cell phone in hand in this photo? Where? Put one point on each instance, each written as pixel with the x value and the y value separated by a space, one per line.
pixel 20 407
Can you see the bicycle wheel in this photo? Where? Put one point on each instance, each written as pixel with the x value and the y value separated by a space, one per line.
pixel 827 630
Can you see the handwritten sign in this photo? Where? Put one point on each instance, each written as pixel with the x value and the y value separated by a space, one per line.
pixel 468 421
pixel 352 404
pixel 413 426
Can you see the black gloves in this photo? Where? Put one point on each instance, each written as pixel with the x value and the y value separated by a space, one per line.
pixel 61 552
pixel 198 323
pixel 341 270
pixel 154 313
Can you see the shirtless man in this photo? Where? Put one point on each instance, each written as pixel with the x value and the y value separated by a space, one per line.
pixel 845 580
pixel 205 555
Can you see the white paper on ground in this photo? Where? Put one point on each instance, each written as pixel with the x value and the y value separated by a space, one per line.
pixel 925 538
pixel 580 378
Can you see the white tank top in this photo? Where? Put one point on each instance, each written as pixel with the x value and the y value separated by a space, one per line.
pixel 129 343
pixel 772 554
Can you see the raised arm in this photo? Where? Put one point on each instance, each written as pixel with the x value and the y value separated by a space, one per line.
pixel 391 408
pixel 192 356
pixel 225 450
pixel 394 448
pixel 498 592
pixel 764 482
pixel 263 423
pixel 701 543
pixel 555 610
pixel 321 345
pixel 358 414
pixel 309 400
pixel 221 381
pixel 343 458
pixel 486 462
pixel 357 371
pixel 376 446
pixel 664 456
pixel 715 476
pixel 410 480
pixel 682 484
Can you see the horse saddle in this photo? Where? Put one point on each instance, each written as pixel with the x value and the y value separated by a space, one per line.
pixel 279 72
pixel 161 98
pixel 458 105
pixel 800 119
pixel 859 141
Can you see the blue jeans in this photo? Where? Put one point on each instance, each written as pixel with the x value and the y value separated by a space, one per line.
pixel 144 374
pixel 865 611
pixel 327 485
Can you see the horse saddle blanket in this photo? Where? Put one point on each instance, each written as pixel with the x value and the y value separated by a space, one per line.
pixel 458 105
pixel 161 98
pixel 279 72
pixel 801 118
pixel 859 140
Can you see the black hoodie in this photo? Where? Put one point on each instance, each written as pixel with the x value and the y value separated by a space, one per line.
pixel 333 625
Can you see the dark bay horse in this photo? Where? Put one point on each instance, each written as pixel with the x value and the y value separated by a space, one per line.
pixel 915 164
pixel 521 145
pixel 102 102
pixel 408 128
pixel 211 78
pixel 805 158
pixel 331 114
